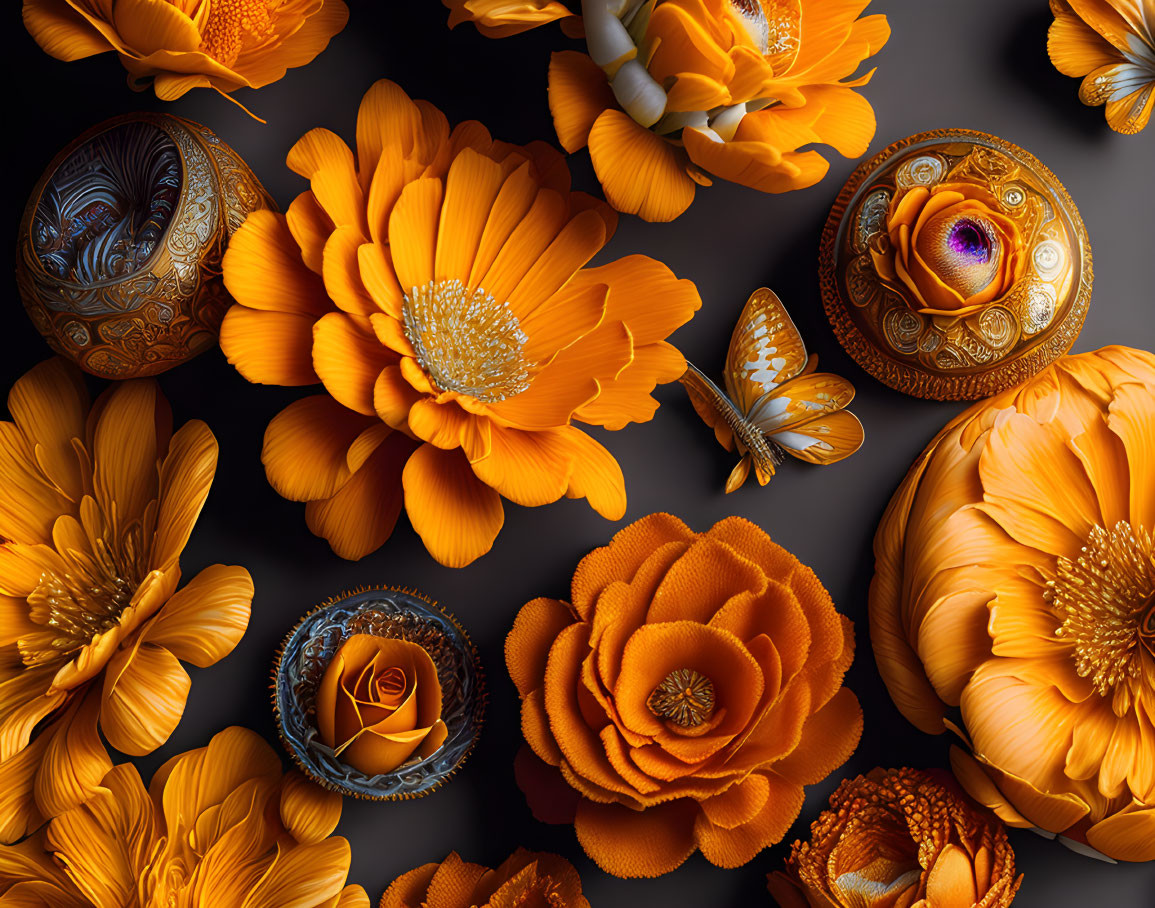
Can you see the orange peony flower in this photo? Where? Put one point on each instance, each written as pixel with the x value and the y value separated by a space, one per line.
pixel 673 90
pixel 684 698
pixel 900 837
pixel 951 247
pixel 526 878
pixel 435 285
pixel 379 703
pixel 1110 44
pixel 96 509
pixel 219 825
pixel 1015 580
pixel 181 44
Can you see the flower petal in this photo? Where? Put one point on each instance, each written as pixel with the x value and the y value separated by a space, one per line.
pixel 203 622
pixel 263 266
pixel 306 446
pixel 348 358
pixel 637 843
pixel 270 348
pixel 640 172
pixel 145 690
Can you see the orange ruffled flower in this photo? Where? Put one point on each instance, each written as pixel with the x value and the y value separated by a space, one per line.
pixel 434 283
pixel 1015 579
pixel 525 878
pixel 675 90
pixel 219 825
pixel 900 838
pixel 96 509
pixel 951 247
pixel 181 44
pixel 379 704
pixel 684 698
pixel 1110 44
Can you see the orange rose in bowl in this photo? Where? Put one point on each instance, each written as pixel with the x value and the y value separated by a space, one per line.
pixel 683 699
pixel 379 704
pixel 951 251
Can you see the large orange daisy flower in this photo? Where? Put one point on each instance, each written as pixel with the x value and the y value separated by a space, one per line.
pixel 1016 581
pixel 219 825
pixel 96 509
pixel 434 283
pixel 180 44
pixel 673 91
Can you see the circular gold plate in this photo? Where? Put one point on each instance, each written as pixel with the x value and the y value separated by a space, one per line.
pixel 972 355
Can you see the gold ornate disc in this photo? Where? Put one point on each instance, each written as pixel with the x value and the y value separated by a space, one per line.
pixel 953 265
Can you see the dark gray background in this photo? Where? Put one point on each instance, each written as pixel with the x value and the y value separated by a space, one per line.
pixel 981 65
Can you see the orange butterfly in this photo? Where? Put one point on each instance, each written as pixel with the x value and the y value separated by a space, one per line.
pixel 774 403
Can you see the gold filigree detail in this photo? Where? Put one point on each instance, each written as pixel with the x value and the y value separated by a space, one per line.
pixel 1106 598
pixel 466 341
pixel 684 697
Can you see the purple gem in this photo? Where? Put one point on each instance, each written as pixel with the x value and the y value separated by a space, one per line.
pixel 968 239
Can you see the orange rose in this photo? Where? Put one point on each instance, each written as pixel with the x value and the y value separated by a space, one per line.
pixel 525 879
pixel 1014 600
pixel 684 698
pixel 950 248
pixel 379 703
pixel 900 837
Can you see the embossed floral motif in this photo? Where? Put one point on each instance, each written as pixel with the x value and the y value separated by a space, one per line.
pixel 900 838
pixel 219 825
pixel 379 704
pixel 950 247
pixel 176 45
pixel 684 698
pixel 435 284
pixel 1015 580
pixel 1110 45
pixel 674 92
pixel 98 503
pixel 526 878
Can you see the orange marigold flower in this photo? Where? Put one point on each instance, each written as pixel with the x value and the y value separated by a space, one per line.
pixel 525 878
pixel 900 837
pixel 181 44
pixel 673 90
pixel 1110 44
pixel 220 824
pixel 1015 579
pixel 684 698
pixel 435 284
pixel 96 509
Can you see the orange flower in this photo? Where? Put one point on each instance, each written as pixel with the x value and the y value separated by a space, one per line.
pixel 684 698
pixel 526 878
pixel 219 824
pixel 1016 580
pixel 1110 44
pixel 673 90
pixel 900 837
pixel 96 509
pixel 951 247
pixel 379 702
pixel 435 285
pixel 183 44
pixel 500 18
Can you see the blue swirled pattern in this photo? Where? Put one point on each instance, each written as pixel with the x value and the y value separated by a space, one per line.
pixel 108 205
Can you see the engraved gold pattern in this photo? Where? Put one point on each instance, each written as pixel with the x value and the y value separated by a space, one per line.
pixel 968 357
pixel 1106 599
pixel 685 698
pixel 169 307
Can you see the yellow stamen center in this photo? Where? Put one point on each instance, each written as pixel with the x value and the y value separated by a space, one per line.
pixel 1106 598
pixel 684 697
pixel 233 26
pixel 466 341
pixel 84 601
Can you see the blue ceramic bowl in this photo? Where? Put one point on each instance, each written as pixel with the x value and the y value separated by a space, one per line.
pixel 393 613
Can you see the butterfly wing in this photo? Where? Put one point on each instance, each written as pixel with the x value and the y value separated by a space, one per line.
pixel 711 404
pixel 765 350
pixel 824 439
pixel 800 400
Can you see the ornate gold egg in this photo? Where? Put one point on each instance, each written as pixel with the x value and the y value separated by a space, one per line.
pixel 119 258
pixel 954 265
